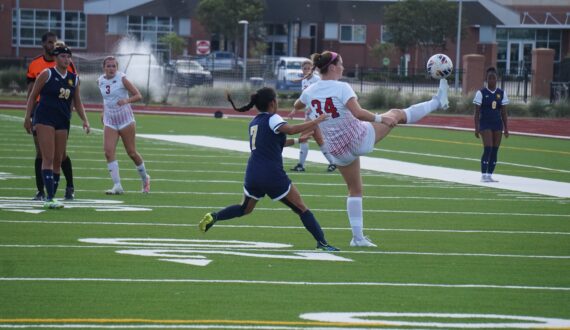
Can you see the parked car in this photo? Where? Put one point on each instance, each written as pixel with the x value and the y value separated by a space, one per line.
pixel 188 73
pixel 289 72
pixel 220 61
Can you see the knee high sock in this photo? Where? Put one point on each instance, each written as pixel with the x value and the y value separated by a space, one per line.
pixel 55 182
pixel 142 171
pixel 304 151
pixel 493 159
pixel 485 160
pixel 312 225
pixel 47 176
pixel 354 210
pixel 420 110
pixel 325 151
pixel 67 170
pixel 230 212
pixel 114 171
pixel 39 176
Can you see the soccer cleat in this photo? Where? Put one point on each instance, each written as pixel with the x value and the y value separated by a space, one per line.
pixel 331 168
pixel 326 247
pixel 484 178
pixel 116 190
pixel 52 204
pixel 298 168
pixel 207 222
pixel 40 196
pixel 490 179
pixel 364 241
pixel 442 94
pixel 146 185
pixel 69 193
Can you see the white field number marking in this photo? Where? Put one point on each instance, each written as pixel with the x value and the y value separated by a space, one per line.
pixel 448 320
pixel 193 251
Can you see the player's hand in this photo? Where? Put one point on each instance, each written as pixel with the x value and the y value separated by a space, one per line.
pixel 28 125
pixel 291 114
pixel 122 102
pixel 506 132
pixel 476 133
pixel 306 136
pixel 322 117
pixel 389 121
pixel 86 127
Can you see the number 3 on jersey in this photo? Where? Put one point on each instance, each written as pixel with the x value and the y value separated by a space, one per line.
pixel 329 107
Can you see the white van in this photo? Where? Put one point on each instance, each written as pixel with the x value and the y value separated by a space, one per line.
pixel 289 73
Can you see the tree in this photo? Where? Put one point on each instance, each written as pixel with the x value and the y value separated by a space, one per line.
pixel 222 16
pixel 175 42
pixel 426 24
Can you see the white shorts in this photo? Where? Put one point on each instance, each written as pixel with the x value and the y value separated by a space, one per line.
pixel 363 147
pixel 118 119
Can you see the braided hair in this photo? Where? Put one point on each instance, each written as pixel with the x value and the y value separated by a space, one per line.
pixel 260 99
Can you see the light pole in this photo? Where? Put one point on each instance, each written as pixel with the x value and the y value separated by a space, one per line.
pixel 246 24
pixel 458 47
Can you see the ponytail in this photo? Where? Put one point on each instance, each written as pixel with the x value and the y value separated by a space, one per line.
pixel 259 99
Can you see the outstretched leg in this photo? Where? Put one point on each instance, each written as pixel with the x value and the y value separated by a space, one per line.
pixel 295 203
pixel 233 211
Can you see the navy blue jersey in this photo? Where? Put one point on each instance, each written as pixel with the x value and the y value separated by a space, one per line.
pixel 265 173
pixel 57 94
pixel 491 103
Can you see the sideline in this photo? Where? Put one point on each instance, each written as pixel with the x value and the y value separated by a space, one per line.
pixel 507 182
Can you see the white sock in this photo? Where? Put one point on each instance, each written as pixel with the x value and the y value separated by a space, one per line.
pixel 304 147
pixel 354 210
pixel 420 110
pixel 325 151
pixel 114 171
pixel 142 171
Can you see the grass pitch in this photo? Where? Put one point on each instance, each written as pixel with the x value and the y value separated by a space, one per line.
pixel 449 255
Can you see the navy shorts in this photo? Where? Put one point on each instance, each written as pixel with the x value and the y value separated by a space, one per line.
pixel 275 187
pixel 493 126
pixel 51 118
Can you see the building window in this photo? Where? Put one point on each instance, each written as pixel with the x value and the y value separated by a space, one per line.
pixel 385 35
pixel 151 29
pixel 35 22
pixel 353 33
pixel 331 31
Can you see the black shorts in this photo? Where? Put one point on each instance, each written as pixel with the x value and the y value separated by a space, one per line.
pixel 52 118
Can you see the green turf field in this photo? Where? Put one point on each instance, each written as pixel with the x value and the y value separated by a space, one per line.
pixel 450 255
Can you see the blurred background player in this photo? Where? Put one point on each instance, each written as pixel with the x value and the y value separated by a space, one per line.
pixel 352 131
pixel 264 174
pixel 59 92
pixel 309 78
pixel 119 122
pixel 490 122
pixel 36 66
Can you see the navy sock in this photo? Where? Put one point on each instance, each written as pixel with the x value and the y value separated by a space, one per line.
pixel 485 160
pixel 39 177
pixel 313 226
pixel 230 212
pixel 493 159
pixel 67 170
pixel 48 183
pixel 55 182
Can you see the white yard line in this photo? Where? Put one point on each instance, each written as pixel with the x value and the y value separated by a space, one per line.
pixel 508 182
pixel 287 283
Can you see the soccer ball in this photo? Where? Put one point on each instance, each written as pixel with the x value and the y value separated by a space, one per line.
pixel 439 66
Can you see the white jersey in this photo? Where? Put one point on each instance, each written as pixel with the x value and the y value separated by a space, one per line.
pixel 304 84
pixel 343 132
pixel 113 90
